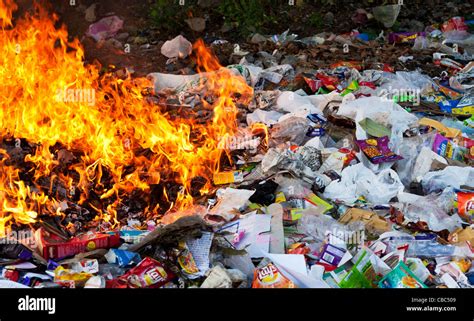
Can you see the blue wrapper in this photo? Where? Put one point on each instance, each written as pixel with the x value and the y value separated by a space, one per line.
pixel 122 257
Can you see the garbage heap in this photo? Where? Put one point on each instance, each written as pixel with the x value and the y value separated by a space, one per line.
pixel 357 175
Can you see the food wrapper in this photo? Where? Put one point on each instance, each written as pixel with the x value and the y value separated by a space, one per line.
pixel 403 37
pixel 228 177
pixel 464 264
pixel 401 277
pixel 450 93
pixel 349 64
pixel 149 273
pixel 466 143
pixel 377 151
pixel 363 274
pixel 186 261
pixel 70 278
pixel 269 276
pixel 122 257
pixel 455 23
pixel 466 204
pixel 331 254
pixel 449 149
pixel 86 265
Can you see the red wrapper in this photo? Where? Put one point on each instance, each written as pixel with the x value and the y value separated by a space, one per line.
pixel 148 273
pixel 350 64
pixel 53 247
pixel 327 81
pixel 116 284
pixel 455 23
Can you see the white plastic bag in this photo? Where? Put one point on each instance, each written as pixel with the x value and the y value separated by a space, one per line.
pixel 358 180
pixel 262 116
pixel 382 111
pixel 450 176
pixel 178 47
pixel 295 104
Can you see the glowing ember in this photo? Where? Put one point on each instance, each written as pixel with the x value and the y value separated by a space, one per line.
pixel 94 133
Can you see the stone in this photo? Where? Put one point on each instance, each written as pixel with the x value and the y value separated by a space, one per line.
pixel 90 15
pixel 196 24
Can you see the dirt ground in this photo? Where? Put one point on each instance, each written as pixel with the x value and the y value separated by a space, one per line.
pixel 145 39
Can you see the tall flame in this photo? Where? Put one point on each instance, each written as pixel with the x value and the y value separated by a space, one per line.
pixel 51 100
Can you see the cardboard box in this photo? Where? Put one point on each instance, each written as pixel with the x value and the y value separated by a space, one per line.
pixel 51 246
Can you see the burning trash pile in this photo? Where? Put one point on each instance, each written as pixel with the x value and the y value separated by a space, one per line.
pixel 256 174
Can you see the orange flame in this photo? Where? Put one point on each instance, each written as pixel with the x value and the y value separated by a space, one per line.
pixel 49 97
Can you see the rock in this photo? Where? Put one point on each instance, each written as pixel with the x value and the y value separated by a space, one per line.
pixel 328 18
pixel 290 60
pixel 81 8
pixel 132 30
pixel 302 58
pixel 267 59
pixel 140 40
pixel 226 27
pixel 122 36
pixel 258 38
pixel 90 15
pixel 196 24
pixel 115 43
pixel 360 17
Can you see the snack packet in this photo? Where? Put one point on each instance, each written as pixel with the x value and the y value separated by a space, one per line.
pixel 122 257
pixel 377 151
pixel 465 202
pixel 448 149
pixel 148 273
pixel 86 266
pixel 401 277
pixel 268 276
pixel 466 143
pixel 186 261
pixel 70 278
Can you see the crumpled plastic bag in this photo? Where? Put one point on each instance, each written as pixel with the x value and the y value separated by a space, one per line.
pixel 303 163
pixel 322 100
pixel 387 14
pixel 178 47
pixel 417 158
pixel 357 180
pixel 320 226
pixel 162 81
pixel 405 80
pixel 382 111
pixel 291 130
pixel 218 278
pixel 105 28
pixel 453 176
pixel 262 116
pixel 295 104
pixel 230 201
pixel 428 210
